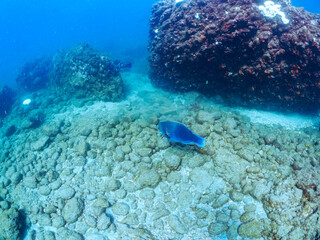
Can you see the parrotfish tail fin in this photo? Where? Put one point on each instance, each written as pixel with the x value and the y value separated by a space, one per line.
pixel 199 141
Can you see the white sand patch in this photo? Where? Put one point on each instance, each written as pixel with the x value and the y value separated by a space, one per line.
pixel 136 82
pixel 288 121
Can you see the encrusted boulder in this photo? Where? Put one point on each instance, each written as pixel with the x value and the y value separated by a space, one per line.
pixel 239 49
pixel 84 73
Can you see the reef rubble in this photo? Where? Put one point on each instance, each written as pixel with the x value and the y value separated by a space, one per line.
pixel 101 170
pixel 239 49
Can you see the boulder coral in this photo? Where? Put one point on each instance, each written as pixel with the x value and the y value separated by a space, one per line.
pixel 80 72
pixel 84 72
pixel 230 48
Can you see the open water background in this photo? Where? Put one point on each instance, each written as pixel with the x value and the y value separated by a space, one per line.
pixel 30 29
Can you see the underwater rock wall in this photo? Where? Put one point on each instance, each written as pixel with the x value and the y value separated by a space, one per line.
pixel 230 48
pixel 82 71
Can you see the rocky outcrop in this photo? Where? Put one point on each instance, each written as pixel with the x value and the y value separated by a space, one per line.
pixel 84 72
pixel 80 72
pixel 232 49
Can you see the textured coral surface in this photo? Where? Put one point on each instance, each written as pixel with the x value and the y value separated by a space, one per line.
pixel 230 48
pixel 80 72
pixel 83 71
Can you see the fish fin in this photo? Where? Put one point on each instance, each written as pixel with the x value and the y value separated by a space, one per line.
pixel 200 141
pixel 167 134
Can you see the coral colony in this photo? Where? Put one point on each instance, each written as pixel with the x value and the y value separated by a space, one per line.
pixel 271 10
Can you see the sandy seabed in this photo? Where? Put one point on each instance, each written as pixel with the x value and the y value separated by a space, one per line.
pixel 101 170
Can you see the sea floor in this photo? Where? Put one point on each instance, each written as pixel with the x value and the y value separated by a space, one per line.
pixel 100 170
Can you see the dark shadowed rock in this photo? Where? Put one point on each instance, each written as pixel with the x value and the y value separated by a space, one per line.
pixel 10 225
pixel 34 75
pixel 10 130
pixel 6 100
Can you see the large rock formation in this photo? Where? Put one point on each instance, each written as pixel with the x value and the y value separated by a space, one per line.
pixel 84 72
pixel 233 49
pixel 80 72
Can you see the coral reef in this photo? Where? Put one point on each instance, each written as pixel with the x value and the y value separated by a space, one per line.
pixel 84 72
pixel 10 222
pixel 34 75
pixel 230 48
pixel 6 100
pixel 80 72
pixel 97 169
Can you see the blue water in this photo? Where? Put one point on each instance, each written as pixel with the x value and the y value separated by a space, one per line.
pixel 309 5
pixel 32 28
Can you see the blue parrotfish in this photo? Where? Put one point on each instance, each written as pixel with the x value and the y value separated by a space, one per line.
pixel 177 132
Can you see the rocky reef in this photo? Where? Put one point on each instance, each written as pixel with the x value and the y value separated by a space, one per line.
pixel 11 222
pixel 240 49
pixel 84 72
pixel 79 72
pixel 101 170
